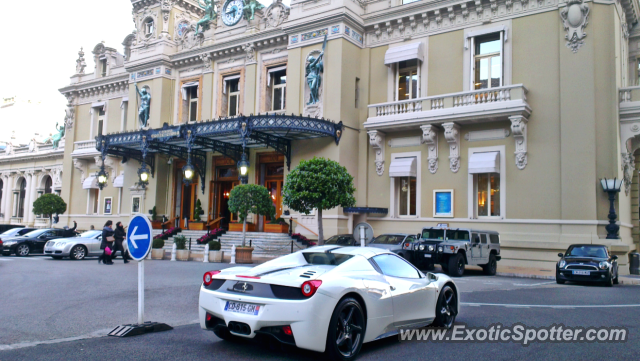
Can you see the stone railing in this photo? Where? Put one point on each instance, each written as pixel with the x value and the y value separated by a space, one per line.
pixel 630 94
pixel 453 100
pixel 85 145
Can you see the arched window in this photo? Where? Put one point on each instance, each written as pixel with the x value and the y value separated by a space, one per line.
pixel 47 185
pixel 22 194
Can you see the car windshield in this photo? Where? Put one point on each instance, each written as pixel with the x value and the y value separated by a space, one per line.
pixel 458 235
pixel 11 232
pixel 332 259
pixel 388 239
pixel 587 251
pixel 339 240
pixel 35 233
pixel 433 233
pixel 90 234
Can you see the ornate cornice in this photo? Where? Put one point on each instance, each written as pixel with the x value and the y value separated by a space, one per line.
pixel 430 138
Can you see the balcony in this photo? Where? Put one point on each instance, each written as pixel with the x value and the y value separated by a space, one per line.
pixel 85 148
pixel 473 106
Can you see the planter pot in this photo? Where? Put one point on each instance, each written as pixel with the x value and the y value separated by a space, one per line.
pixel 216 256
pixel 182 254
pixel 237 227
pixel 276 228
pixel 197 226
pixel 243 255
pixel 156 224
pixel 157 253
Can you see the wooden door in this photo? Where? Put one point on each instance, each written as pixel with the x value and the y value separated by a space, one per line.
pixel 275 190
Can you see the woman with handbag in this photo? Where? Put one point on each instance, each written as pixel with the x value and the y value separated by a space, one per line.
pixel 107 242
pixel 120 234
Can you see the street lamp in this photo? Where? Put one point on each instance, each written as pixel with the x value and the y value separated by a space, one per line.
pixel 143 175
pixel 188 172
pixel 612 186
pixel 243 168
pixel 103 177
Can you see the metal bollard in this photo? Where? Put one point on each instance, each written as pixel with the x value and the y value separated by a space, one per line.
pixel 189 243
pixel 205 258
pixel 291 246
pixel 233 254
pixel 173 252
pixel 249 243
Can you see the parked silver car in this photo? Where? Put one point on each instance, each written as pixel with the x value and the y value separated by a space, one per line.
pixel 87 244
pixel 399 243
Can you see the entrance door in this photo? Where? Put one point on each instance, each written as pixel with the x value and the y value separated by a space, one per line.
pixel 223 190
pixel 275 190
pixel 184 195
pixel 186 208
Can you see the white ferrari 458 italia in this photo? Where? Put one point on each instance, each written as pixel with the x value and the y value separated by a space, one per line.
pixel 326 299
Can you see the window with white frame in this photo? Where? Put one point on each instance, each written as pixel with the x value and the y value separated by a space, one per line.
pixel 101 118
pixel 487 61
pixel 487 177
pixel 103 67
pixel 405 191
pixel 233 96
pixel 149 27
pixel 125 112
pixel 407 79
pixel 94 199
pixel 277 88
pixel 190 95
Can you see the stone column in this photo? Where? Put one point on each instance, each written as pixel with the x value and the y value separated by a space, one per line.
pixel 16 200
pixel 32 197
pixel 27 199
pixel 6 197
pixel 9 205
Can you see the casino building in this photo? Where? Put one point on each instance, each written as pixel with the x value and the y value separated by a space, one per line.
pixel 485 114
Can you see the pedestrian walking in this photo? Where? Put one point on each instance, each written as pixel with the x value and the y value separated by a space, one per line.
pixel 107 241
pixel 119 236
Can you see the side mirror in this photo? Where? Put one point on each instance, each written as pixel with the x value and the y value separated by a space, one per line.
pixel 560 255
pixel 614 257
pixel 418 235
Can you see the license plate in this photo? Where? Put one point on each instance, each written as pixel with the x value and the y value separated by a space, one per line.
pixel 427 255
pixel 244 308
pixel 582 273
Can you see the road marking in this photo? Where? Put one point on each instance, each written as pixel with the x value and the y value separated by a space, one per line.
pixel 512 305
pixel 5 259
pixel 533 284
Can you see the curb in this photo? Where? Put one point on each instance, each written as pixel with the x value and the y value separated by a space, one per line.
pixel 525 275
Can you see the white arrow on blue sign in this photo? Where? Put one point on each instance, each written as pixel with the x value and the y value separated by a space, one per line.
pixel 139 237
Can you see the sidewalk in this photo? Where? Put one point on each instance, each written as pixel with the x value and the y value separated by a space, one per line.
pixel 525 272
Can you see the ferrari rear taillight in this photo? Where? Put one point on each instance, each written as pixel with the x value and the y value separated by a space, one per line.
pixel 287 330
pixel 309 288
pixel 208 277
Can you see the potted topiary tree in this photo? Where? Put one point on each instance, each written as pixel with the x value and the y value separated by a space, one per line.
pixel 157 250
pixel 197 224
pixel 245 199
pixel 49 204
pixel 215 254
pixel 276 225
pixel 155 222
pixel 318 184
pixel 182 253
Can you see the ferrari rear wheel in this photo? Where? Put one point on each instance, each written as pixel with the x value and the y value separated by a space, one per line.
pixel 346 330
pixel 22 250
pixel 446 308
pixel 78 253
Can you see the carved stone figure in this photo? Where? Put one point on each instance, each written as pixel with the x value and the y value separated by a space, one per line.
pixel 145 104
pixel 249 48
pixel 250 7
pixel 628 168
pixel 276 14
pixel 376 139
pixel 80 63
pixel 575 17
pixel 70 112
pixel 209 15
pixel 313 73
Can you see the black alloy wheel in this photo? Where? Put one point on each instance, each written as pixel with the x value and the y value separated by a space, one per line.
pixel 456 265
pixel 558 280
pixel 78 253
pixel 615 280
pixel 446 308
pixel 22 250
pixel 346 330
pixel 609 280
pixel 491 267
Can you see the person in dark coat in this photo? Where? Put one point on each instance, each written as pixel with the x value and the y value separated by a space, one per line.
pixel 120 234
pixel 107 231
pixel 70 232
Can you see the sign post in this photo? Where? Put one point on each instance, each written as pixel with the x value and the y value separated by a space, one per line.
pixel 139 245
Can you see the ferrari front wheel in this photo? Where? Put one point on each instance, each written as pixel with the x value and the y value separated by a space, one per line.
pixel 346 330
pixel 446 308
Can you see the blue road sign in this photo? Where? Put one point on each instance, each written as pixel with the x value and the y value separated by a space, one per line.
pixel 139 237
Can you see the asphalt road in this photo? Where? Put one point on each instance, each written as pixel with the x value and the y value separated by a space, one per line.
pixel 57 302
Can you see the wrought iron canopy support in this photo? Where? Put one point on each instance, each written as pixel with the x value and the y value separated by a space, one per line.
pixel 228 150
pixel 127 154
pixel 281 145
pixel 198 157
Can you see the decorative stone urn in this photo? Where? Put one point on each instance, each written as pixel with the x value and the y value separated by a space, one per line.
pixel 244 255
pixel 182 254
pixel 216 256
pixel 157 253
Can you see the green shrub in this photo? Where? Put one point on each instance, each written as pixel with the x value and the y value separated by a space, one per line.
pixel 214 246
pixel 180 242
pixel 157 243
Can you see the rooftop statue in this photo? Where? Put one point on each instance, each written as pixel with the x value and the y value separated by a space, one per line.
pixel 250 7
pixel 313 73
pixel 143 108
pixel 55 138
pixel 209 15
pixel 80 63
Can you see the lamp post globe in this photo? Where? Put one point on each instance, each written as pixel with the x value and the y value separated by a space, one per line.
pixel 188 172
pixel 102 178
pixel 243 168
pixel 143 174
pixel 612 186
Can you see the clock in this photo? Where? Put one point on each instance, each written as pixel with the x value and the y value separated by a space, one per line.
pixel 232 12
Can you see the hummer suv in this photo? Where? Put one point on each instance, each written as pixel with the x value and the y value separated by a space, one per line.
pixel 455 248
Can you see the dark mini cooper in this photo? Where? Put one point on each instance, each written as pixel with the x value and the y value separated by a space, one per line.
pixel 587 263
